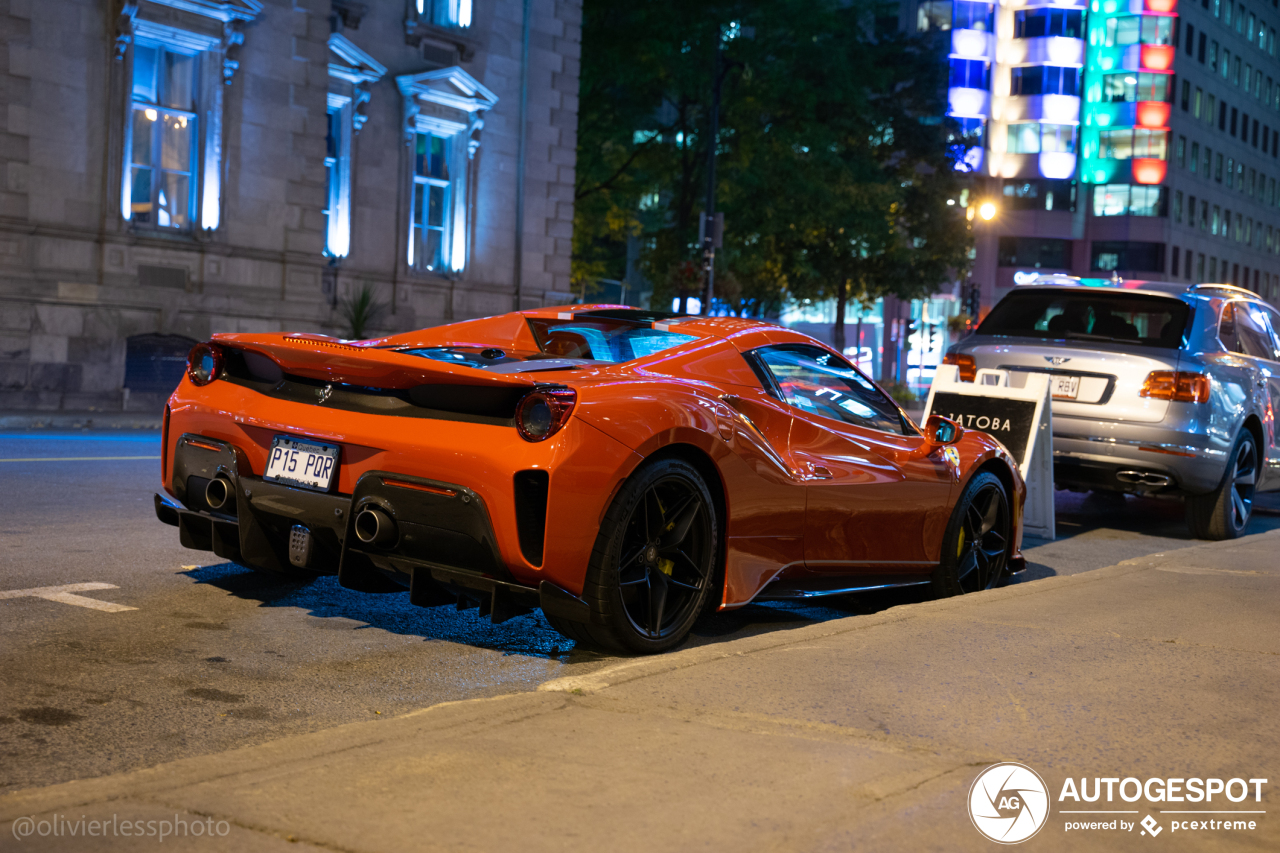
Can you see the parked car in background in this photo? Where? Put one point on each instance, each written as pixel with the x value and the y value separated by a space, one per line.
pixel 1158 388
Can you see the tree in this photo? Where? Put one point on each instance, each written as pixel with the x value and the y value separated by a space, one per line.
pixel 833 166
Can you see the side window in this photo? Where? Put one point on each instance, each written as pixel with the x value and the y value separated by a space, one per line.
pixel 1266 318
pixel 817 382
pixel 1227 328
pixel 1273 320
pixel 1252 337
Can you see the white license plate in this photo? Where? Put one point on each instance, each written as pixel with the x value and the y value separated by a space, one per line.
pixel 1064 387
pixel 302 463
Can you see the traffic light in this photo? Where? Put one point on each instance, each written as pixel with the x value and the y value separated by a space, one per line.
pixel 973 301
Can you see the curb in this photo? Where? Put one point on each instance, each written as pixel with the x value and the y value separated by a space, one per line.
pixel 633 670
pixel 80 420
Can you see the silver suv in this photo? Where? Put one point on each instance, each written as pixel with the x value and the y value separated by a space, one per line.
pixel 1158 388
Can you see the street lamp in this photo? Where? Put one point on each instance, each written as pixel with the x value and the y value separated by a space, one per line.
pixel 987 210
pixel 713 223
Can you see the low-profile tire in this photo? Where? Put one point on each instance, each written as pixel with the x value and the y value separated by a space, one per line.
pixel 1224 513
pixel 653 564
pixel 975 547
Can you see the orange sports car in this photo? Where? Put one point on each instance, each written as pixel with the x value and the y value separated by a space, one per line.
pixel 623 470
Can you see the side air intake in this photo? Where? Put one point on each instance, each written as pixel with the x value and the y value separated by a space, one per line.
pixel 531 513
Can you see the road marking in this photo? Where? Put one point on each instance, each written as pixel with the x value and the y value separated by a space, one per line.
pixel 75 458
pixel 65 595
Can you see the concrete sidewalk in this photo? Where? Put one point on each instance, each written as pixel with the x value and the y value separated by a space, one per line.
pixel 864 733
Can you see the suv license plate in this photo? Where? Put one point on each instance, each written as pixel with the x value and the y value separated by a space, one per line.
pixel 308 464
pixel 1064 387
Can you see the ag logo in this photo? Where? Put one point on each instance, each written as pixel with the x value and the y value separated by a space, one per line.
pixel 1008 803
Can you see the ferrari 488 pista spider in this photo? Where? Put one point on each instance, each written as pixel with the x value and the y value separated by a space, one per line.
pixel 622 470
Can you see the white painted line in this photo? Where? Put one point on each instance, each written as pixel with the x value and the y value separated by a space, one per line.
pixel 75 458
pixel 65 594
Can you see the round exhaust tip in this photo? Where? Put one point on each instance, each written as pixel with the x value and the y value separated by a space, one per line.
pixel 375 527
pixel 218 493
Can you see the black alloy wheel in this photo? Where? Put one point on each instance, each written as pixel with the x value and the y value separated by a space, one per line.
pixel 1225 512
pixel 977 542
pixel 663 572
pixel 653 565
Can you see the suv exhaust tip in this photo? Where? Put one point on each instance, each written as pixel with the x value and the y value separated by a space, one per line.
pixel 1148 479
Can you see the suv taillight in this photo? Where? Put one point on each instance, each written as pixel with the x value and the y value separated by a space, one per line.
pixel 968 367
pixel 1177 386
pixel 541 413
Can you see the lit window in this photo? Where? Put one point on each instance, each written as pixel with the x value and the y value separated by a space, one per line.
pixel 161 182
pixel 1111 200
pixel 351 74
pixel 445 13
pixel 1134 86
pixel 1135 29
pixel 1024 137
pixel 933 15
pixel 1145 201
pixel 1058 138
pixel 968 15
pixel 337 169
pixel 1124 143
pixel 444 110
pixel 1126 200
pixel 171 159
pixel 430 202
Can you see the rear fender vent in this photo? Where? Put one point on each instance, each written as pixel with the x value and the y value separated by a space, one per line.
pixel 531 513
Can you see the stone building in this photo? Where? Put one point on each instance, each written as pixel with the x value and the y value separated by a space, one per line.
pixel 170 169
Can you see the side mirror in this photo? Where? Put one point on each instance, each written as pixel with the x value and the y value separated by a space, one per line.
pixel 940 432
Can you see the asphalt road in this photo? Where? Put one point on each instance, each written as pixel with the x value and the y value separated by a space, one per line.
pixel 213 656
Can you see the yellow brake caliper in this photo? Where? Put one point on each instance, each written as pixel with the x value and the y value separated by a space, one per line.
pixel 960 544
pixel 664 565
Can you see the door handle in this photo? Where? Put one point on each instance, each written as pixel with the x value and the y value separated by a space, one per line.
pixel 819 472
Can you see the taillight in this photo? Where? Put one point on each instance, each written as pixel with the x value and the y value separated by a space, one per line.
pixel 968 367
pixel 1177 386
pixel 542 413
pixel 204 364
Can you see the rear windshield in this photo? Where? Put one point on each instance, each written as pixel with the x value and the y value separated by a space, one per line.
pixel 601 339
pixel 1091 315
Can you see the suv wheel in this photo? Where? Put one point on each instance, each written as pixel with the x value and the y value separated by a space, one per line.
pixel 1224 513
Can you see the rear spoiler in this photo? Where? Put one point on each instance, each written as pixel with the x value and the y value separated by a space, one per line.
pixel 331 360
